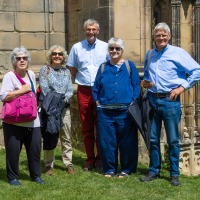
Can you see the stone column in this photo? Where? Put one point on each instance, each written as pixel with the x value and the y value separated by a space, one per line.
pixel 176 4
pixel 190 153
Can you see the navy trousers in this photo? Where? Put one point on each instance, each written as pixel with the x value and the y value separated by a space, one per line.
pixel 117 133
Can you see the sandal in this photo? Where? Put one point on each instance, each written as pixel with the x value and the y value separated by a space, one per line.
pixel 122 175
pixel 109 174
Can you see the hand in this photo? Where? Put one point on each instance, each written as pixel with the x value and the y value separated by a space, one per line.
pixel 26 88
pixel 175 93
pixel 147 84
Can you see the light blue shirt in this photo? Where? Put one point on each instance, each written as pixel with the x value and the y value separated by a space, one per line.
pixel 171 68
pixel 87 59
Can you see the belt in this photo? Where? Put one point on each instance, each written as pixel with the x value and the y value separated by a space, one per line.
pixel 85 86
pixel 161 95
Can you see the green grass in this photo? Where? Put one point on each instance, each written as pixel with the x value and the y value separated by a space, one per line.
pixel 93 185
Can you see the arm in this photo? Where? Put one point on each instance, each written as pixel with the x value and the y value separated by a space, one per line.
pixel 10 88
pixel 11 95
pixel 146 83
pixel 73 71
pixel 135 80
pixel 96 87
pixel 192 69
pixel 69 91
pixel 72 62
pixel 43 82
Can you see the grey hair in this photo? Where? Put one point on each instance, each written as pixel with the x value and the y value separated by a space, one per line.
pixel 162 26
pixel 19 51
pixel 91 22
pixel 116 41
pixel 49 56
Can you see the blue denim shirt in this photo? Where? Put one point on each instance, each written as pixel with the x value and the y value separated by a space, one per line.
pixel 171 68
pixel 115 86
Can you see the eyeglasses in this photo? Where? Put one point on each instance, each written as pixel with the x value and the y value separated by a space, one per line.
pixel 91 29
pixel 116 48
pixel 57 53
pixel 21 58
pixel 161 35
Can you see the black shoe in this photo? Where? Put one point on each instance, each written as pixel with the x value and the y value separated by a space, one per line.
pixel 88 167
pixel 14 182
pixel 175 181
pixel 38 180
pixel 149 177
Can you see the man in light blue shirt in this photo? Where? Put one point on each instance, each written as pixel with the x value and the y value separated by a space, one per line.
pixel 84 60
pixel 168 71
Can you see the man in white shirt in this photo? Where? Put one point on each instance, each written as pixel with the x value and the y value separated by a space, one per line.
pixel 84 60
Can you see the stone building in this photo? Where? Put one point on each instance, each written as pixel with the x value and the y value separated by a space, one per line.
pixel 39 24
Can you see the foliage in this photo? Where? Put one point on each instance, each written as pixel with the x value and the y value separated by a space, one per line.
pixel 93 185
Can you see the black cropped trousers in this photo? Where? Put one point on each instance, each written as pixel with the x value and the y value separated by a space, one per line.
pixel 14 138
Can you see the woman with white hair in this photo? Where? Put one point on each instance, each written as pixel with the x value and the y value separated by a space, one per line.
pixel 18 134
pixel 116 86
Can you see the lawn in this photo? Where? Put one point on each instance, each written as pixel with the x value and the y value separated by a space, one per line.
pixel 93 185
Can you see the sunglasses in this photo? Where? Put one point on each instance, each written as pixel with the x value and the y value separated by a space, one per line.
pixel 21 58
pixel 57 53
pixel 116 48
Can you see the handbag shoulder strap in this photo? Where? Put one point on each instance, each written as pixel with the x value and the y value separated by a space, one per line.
pixel 19 78
pixel 32 86
pixel 23 82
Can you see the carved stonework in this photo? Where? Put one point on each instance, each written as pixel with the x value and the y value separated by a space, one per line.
pixel 185 162
pixel 190 162
pixel 196 166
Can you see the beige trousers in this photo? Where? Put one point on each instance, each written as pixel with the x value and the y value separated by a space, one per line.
pixel 65 140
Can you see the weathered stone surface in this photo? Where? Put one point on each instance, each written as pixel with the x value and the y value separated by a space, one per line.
pixel 58 39
pixel 59 22
pixel 9 5
pixel 31 6
pixel 103 3
pixel 58 5
pixel 38 57
pixel 33 41
pixel 32 22
pixel 73 26
pixel 75 5
pixel 89 4
pixel 6 21
pixel 9 41
pixel 130 52
pixel 5 62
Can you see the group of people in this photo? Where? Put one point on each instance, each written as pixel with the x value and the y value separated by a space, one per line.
pixel 107 85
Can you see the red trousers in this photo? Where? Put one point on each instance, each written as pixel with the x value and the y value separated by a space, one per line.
pixel 88 116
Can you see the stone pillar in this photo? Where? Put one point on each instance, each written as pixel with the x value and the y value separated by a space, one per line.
pixel 190 145
pixel 176 22
pixel 197 30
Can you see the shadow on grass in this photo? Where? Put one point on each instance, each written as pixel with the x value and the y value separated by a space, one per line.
pixel 77 159
pixel 22 172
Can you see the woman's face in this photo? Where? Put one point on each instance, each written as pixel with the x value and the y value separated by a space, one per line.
pixel 57 57
pixel 115 52
pixel 21 61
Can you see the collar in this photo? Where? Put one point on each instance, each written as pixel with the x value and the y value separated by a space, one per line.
pixel 164 49
pixel 90 44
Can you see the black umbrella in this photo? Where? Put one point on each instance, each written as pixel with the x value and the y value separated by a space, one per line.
pixel 142 113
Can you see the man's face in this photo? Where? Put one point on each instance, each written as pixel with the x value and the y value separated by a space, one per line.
pixel 91 32
pixel 161 39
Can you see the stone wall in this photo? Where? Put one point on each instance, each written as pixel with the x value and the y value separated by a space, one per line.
pixel 37 25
